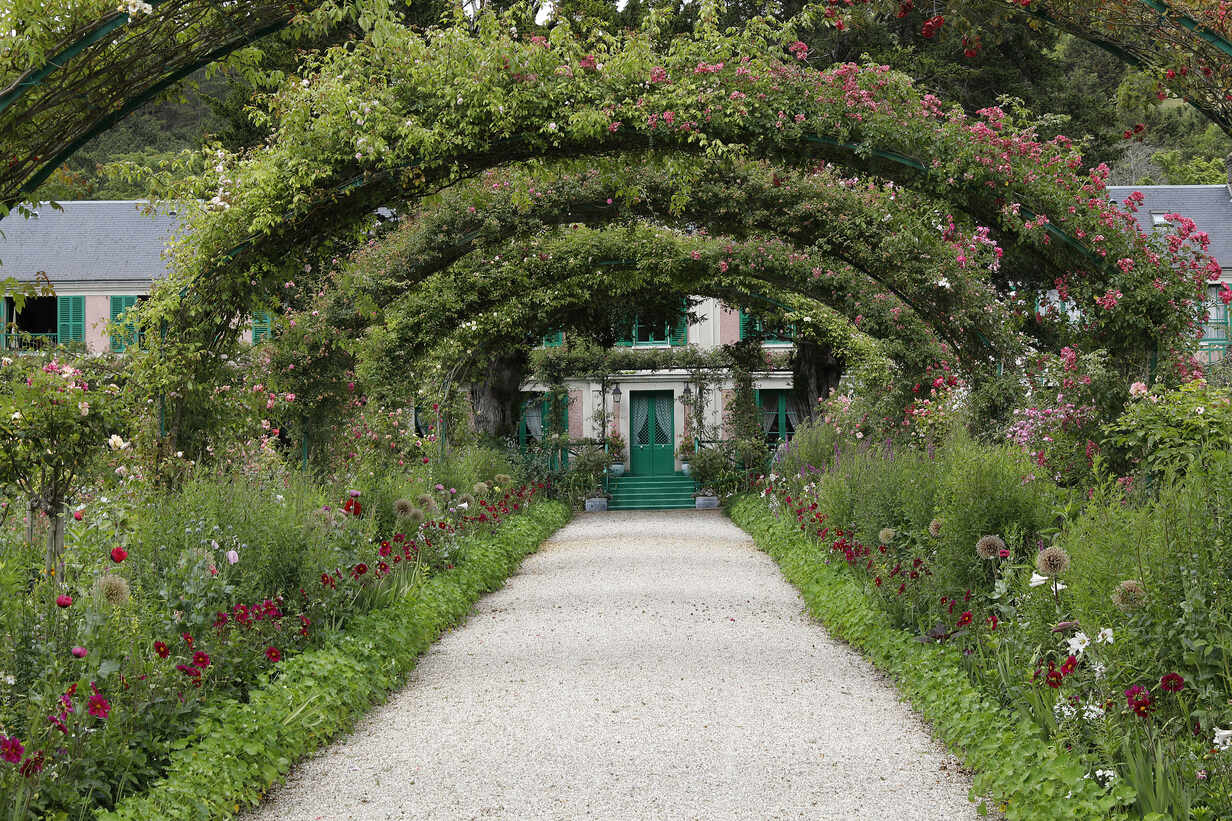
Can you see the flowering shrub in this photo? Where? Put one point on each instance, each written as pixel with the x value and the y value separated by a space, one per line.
pixel 1171 430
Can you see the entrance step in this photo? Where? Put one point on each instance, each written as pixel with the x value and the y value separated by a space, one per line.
pixel 662 492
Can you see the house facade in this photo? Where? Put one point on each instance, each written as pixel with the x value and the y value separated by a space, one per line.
pixel 652 410
pixel 98 259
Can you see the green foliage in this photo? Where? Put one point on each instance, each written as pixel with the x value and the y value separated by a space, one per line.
pixel 1027 778
pixel 223 764
pixel 1169 431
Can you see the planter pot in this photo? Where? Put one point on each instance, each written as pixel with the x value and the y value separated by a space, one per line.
pixel 707 502
pixel 596 505
pixel 617 468
pixel 684 468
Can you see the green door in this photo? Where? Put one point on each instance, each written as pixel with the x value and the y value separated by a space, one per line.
pixel 651 433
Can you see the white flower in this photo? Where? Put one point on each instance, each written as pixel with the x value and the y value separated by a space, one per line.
pixel 1091 712
pixel 859 434
pixel 16 415
pixel 1078 642
pixel 8 679
pixel 1105 775
pixel 464 505
pixel 1098 669
pixel 1104 635
pixel 943 283
pixel 121 471
pixel 1223 738
pixel 84 407
pixel 1200 410
pixel 1064 710
pixel 116 442
pixel 1037 580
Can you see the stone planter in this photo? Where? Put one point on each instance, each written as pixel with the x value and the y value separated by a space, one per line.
pixel 596 505
pixel 707 502
pixel 617 468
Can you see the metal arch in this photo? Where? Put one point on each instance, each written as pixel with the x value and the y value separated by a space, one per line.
pixel 1191 24
pixel 104 124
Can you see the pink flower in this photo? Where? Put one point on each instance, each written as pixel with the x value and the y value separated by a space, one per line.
pixel 232 557
pixel 64 601
pixel 80 652
pixel 11 748
pixel 1138 390
pixel 98 706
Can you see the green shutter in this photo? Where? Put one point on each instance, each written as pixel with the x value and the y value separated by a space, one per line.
pixel 262 326
pixel 627 342
pixel 746 324
pixel 553 340
pixel 678 333
pixel 70 319
pixel 126 335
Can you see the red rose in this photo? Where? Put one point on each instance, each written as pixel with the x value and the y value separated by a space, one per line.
pixel 118 554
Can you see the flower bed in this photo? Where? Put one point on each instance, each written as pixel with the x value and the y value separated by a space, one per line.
pixel 237 750
pixel 1028 778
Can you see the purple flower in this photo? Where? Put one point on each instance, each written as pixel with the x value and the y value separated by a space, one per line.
pixel 232 557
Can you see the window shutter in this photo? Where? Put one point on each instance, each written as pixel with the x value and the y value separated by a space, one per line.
pixel 553 340
pixel 262 325
pixel 627 342
pixel 678 333
pixel 126 335
pixel 70 319
pixel 746 325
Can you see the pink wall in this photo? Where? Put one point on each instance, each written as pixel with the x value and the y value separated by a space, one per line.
pixel 575 414
pixel 729 326
pixel 98 314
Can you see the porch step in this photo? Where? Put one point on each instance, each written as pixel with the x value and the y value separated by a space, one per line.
pixel 666 492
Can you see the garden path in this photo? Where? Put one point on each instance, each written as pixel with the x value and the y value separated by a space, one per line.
pixel 640 665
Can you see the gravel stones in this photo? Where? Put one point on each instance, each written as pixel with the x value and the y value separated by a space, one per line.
pixel 640 665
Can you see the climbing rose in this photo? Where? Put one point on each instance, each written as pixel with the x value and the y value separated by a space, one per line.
pixel 1172 683
pixel 118 554
pixel 11 749
pixel 161 649
pixel 272 654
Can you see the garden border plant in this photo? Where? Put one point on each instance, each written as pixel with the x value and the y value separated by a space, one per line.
pixel 1028 778
pixel 238 750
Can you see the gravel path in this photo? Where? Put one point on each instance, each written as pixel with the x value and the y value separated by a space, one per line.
pixel 640 665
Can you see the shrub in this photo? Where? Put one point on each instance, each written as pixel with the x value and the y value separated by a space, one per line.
pixel 1171 430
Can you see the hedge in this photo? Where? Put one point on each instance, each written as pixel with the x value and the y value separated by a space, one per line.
pixel 1028 778
pixel 238 750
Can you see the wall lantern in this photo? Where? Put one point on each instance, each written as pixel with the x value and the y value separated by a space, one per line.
pixel 616 394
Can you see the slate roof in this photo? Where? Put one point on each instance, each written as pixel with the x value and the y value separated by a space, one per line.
pixel 89 241
pixel 1210 206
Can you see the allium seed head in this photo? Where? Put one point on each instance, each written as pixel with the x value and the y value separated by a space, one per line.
pixel 934 528
pixel 1129 595
pixel 1052 562
pixel 403 508
pixel 989 547
pixel 886 535
pixel 112 589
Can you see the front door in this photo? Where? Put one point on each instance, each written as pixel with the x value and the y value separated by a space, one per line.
pixel 651 433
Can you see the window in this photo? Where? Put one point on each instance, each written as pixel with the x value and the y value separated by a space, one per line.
pixel 535 417
pixel 262 326
pixel 553 340
pixel 1158 218
pixel 750 325
pixel 778 417
pixel 126 335
pixel 654 334
pixel 1217 330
